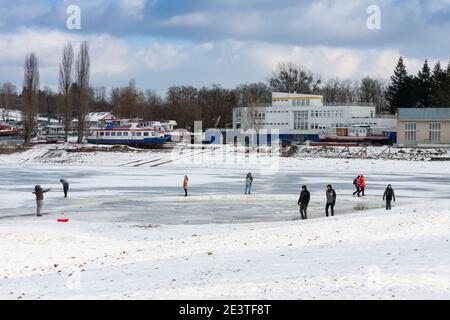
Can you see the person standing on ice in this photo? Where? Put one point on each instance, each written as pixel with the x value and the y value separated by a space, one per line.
pixel 331 199
pixel 303 202
pixel 186 185
pixel 39 192
pixel 248 183
pixel 65 185
pixel 362 184
pixel 357 184
pixel 389 195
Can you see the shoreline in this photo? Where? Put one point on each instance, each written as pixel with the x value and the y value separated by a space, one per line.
pixel 112 252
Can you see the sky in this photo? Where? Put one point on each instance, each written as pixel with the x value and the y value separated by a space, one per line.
pixel 161 43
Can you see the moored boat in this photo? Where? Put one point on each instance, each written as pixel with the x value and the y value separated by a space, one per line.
pixel 131 135
pixel 7 130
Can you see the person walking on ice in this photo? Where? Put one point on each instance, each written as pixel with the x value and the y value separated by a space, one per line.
pixel 362 184
pixel 65 185
pixel 39 192
pixel 303 202
pixel 357 184
pixel 186 185
pixel 331 199
pixel 248 183
pixel 389 195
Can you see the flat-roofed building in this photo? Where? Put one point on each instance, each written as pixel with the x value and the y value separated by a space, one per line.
pixel 304 117
pixel 423 127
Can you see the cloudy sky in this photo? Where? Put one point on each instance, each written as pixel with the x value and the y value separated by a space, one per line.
pixel 160 43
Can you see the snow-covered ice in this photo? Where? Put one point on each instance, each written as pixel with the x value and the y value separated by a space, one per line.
pixel 133 235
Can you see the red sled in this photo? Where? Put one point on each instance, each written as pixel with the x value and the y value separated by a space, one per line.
pixel 63 220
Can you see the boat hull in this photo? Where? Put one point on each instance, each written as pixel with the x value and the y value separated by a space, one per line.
pixel 144 143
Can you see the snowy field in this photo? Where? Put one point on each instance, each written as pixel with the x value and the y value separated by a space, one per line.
pixel 132 234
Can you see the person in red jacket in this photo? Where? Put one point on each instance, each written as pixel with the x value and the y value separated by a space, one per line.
pixel 362 184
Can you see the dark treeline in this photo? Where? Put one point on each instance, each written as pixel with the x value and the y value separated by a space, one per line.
pixel 213 105
pixel 426 89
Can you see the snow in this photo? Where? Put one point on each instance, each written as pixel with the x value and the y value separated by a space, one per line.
pixel 131 235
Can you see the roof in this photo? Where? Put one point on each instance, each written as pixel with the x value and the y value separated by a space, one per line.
pixel 97 116
pixel 284 95
pixel 424 114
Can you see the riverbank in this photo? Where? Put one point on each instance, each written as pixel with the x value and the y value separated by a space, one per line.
pixel 400 254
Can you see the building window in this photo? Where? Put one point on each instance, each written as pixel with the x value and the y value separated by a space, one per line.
pixel 410 132
pixel 301 120
pixel 435 132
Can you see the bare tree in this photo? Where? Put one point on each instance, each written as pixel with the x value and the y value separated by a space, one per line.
pixel 30 95
pixel 373 91
pixel 8 92
pixel 83 65
pixel 291 78
pixel 65 84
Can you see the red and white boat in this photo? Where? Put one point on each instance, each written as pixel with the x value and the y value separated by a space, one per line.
pixel 6 130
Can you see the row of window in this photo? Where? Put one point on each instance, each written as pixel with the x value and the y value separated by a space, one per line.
pixel 434 133
pixel 327 114
pixel 123 134
pixel 300 103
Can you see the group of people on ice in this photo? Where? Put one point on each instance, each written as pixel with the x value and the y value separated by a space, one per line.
pixel 305 197
pixel 360 185
pixel 303 201
pixel 39 193
pixel 330 193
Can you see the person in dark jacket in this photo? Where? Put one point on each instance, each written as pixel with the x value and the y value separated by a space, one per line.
pixel 65 185
pixel 357 184
pixel 331 199
pixel 389 195
pixel 39 192
pixel 303 202
pixel 248 183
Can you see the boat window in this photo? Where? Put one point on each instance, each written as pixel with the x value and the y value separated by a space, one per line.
pixel 102 134
pixel 146 134
pixel 107 134
pixel 125 134
pixel 138 134
pixel 119 134
pixel 113 134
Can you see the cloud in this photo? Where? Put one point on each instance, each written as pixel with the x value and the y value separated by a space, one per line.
pixel 159 56
pixel 109 55
pixel 133 8
pixel 195 19
pixel 163 43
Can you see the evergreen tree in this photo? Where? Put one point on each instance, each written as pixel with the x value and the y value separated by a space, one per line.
pixel 400 94
pixel 441 86
pixel 424 82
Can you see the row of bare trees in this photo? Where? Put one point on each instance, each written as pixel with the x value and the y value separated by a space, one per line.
pixel 213 105
pixel 74 91
pixel 78 91
pixel 293 78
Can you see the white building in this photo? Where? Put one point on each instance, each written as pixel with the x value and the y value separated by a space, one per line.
pixel 303 117
pixel 95 120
